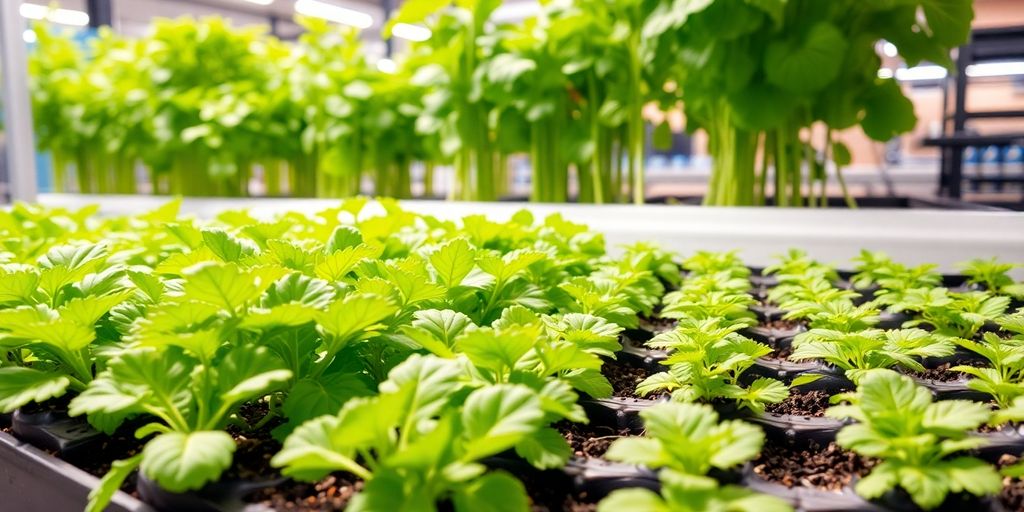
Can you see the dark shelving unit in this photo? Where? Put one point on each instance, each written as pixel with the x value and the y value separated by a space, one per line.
pixel 986 45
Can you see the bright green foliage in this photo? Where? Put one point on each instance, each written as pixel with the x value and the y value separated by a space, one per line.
pixel 179 323
pixel 994 276
pixel 855 351
pixel 706 360
pixel 756 74
pixel 686 441
pixel 1003 379
pixel 951 313
pixel 916 439
pixel 420 440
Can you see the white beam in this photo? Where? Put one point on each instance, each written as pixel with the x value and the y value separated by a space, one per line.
pixel 19 140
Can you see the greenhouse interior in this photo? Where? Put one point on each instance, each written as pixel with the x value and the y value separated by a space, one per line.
pixel 511 255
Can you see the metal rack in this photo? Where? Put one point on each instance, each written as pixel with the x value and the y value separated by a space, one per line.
pixel 986 45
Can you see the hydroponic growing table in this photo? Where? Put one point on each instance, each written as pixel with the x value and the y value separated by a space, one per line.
pixel 918 236
pixel 392 357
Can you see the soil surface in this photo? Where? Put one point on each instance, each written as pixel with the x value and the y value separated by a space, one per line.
pixel 657 325
pixel 589 441
pixel 1012 495
pixel 831 468
pixel 942 372
pixel 624 379
pixel 781 325
pixel 802 403
pixel 331 493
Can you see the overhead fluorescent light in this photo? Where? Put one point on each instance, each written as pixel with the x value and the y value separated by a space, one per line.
pixel 386 65
pixel 29 36
pixel 335 13
pixel 885 73
pixel 515 11
pixel 62 16
pixel 411 32
pixel 921 73
pixel 889 49
pixel 996 69
pixel 260 2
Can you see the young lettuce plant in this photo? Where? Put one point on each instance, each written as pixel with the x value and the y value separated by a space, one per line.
pixel 1003 379
pixel 839 314
pixel 706 359
pixel 916 439
pixel 54 333
pixel 857 351
pixel 994 276
pixel 420 442
pixel 952 314
pixel 685 442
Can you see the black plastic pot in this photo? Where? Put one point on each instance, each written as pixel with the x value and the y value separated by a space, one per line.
pixel 34 481
pixel 635 354
pixel 781 369
pixel 53 430
pixel 5 419
pixel 617 413
pixel 597 478
pixel 952 390
pixel 960 354
pixel 771 335
pixel 887 320
pixel 1005 441
pixel 814 500
pixel 767 313
pixel 222 496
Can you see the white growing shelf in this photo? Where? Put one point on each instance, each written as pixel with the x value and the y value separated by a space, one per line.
pixel 835 235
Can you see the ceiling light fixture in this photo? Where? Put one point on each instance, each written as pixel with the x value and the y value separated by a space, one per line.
pixel 411 32
pixel 337 14
pixel 62 16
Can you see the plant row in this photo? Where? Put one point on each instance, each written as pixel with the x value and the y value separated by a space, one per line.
pixel 206 107
pixel 726 348
pixel 433 364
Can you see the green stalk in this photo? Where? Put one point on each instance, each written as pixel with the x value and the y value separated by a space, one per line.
pixel 272 171
pixel 428 179
pixel 781 169
pixel 635 120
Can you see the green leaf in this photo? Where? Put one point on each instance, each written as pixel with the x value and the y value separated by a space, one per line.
pixel 100 496
pixel 453 262
pixel 249 372
pixel 354 316
pixel 633 500
pixel 181 461
pixel 949 21
pixel 221 285
pixel 546 449
pixel 494 492
pixel 20 386
pixel 952 416
pixel 226 247
pixel 887 112
pixel 972 475
pixel 310 397
pixel 342 238
pixel 496 418
pixel 423 385
pixel 337 265
pixel 881 479
pixel 661 139
pixel 17 286
pixel 806 66
pixel 642 451
pixel 489 349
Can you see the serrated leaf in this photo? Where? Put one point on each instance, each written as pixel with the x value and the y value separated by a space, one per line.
pixel 497 417
pixel 100 496
pixel 20 386
pixel 184 461
pixel 545 449
pixel 453 262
